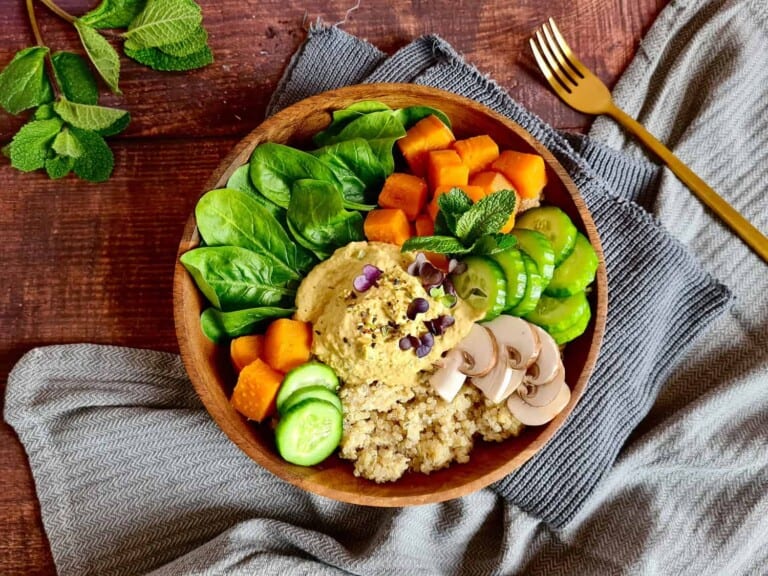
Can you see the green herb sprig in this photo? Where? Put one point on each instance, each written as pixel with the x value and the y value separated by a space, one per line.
pixel 464 227
pixel 67 129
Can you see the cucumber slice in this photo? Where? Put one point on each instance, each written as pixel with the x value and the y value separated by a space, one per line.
pixel 576 272
pixel 309 432
pixel 538 247
pixel 511 262
pixel 483 285
pixel 556 314
pixel 309 374
pixel 533 288
pixel 573 332
pixel 555 225
pixel 318 392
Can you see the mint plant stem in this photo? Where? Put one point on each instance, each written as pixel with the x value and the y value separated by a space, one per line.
pixel 39 41
pixel 60 12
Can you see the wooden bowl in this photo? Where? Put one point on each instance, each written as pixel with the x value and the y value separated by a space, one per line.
pixel 212 376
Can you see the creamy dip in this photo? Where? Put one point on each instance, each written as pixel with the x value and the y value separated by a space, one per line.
pixel 358 333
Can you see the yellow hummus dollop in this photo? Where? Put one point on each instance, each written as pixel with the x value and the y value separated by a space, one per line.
pixel 358 333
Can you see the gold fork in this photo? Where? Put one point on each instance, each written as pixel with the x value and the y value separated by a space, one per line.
pixel 578 87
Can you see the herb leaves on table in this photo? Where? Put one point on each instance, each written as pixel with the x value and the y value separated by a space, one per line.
pixel 67 128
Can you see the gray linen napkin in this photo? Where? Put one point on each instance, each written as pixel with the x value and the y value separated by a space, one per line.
pixel 133 476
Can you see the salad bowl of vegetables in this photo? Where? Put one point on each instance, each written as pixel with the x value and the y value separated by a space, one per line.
pixel 390 295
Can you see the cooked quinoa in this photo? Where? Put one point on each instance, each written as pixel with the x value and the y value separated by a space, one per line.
pixel 391 429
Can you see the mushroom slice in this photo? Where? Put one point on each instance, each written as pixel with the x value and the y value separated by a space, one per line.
pixel 448 379
pixel 516 339
pixel 500 382
pixel 479 350
pixel 538 415
pixel 543 394
pixel 547 363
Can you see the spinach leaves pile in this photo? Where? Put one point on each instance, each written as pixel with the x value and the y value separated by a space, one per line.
pixel 286 210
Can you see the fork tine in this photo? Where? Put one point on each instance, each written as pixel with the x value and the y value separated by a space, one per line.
pixel 568 55
pixel 561 90
pixel 552 64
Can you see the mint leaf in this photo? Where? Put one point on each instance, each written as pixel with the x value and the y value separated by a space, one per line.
pixel 114 13
pixel 86 116
pixel 58 166
pixel 493 243
pixel 195 42
pixel 65 144
pixel 117 126
pixel 452 206
pixel 487 216
pixel 163 22
pixel 96 162
pixel 438 244
pixel 29 147
pixel 23 83
pixel 44 112
pixel 75 78
pixel 102 55
pixel 159 60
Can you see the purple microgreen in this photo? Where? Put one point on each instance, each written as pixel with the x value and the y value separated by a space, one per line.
pixel 415 267
pixel 422 351
pixel 417 306
pixel 431 276
pixel 368 278
pixel 457 266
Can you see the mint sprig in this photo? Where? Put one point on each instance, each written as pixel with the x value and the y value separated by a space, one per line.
pixel 67 127
pixel 465 227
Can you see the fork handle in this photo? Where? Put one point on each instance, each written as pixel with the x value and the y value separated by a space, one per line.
pixel 740 225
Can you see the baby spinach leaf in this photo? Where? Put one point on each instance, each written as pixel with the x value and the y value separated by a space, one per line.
pixel 317 213
pixel 23 82
pixel 221 326
pixel 320 252
pixel 30 146
pixel 241 180
pixel 275 167
pixel 75 78
pixel 233 278
pixel 96 162
pixel 340 118
pixel 412 114
pixel 87 116
pixel 156 59
pixel 233 218
pixel 163 22
pixel 102 55
pixel 114 13
pixel 380 129
pixel 355 157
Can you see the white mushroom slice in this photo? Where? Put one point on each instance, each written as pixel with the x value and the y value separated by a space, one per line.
pixel 516 339
pixel 538 415
pixel 543 394
pixel 448 379
pixel 479 350
pixel 547 363
pixel 500 382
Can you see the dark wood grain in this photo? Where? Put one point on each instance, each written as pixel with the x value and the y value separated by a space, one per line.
pixel 84 262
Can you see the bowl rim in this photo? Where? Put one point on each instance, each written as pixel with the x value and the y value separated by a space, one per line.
pixel 182 294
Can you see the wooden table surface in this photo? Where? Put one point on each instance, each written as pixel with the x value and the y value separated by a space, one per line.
pixel 94 262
